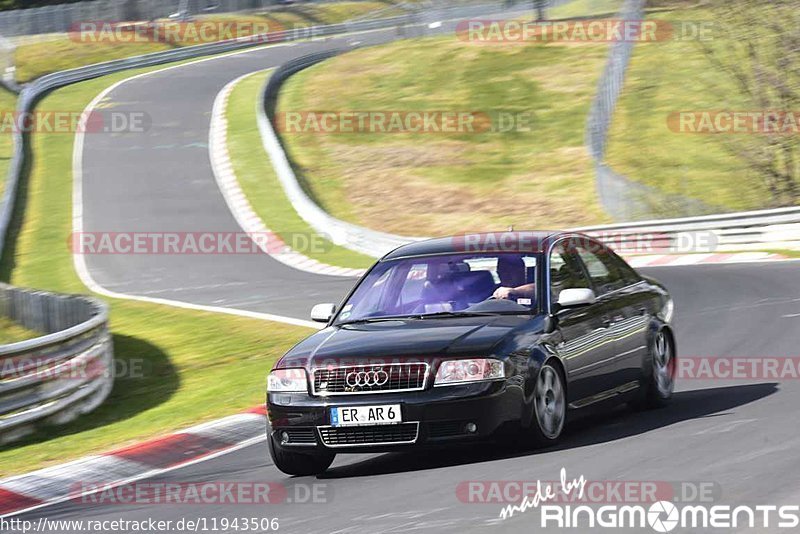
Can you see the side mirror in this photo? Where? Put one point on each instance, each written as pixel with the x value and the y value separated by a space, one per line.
pixel 575 298
pixel 322 313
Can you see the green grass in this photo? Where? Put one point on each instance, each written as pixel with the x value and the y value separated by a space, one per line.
pixel 583 8
pixel 35 59
pixel 11 332
pixel 196 366
pixel 669 77
pixel 259 182
pixel 429 184
pixel 788 253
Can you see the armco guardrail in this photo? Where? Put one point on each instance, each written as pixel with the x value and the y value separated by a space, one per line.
pixel 354 237
pixel 66 372
pixel 747 231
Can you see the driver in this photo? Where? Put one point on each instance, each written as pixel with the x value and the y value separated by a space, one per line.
pixel 511 270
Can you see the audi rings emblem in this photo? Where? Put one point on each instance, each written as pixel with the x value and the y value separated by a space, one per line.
pixel 376 377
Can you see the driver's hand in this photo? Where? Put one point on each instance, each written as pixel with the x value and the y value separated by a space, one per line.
pixel 503 293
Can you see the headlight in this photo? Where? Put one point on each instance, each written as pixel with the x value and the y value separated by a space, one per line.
pixel 464 371
pixel 287 380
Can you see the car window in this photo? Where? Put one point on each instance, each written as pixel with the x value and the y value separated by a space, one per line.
pixel 415 282
pixel 565 272
pixel 373 296
pixel 445 283
pixel 604 269
pixel 627 272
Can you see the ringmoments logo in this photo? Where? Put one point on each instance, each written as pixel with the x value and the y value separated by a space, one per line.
pixel 564 505
pixel 664 516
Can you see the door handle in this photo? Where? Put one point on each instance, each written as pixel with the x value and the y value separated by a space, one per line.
pixel 606 322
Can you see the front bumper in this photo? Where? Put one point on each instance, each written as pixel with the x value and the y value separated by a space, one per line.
pixel 431 417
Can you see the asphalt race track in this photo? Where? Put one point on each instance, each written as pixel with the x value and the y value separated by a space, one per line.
pixel 741 436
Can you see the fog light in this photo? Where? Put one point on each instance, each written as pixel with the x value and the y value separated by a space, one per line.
pixel 284 438
pixel 471 428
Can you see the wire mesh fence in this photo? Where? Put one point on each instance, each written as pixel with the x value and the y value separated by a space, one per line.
pixel 622 198
pixel 61 18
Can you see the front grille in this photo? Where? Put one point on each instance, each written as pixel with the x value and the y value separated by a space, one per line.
pixel 369 435
pixel 301 436
pixel 370 378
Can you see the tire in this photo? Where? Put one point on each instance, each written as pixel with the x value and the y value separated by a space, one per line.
pixel 549 407
pixel 299 463
pixel 659 381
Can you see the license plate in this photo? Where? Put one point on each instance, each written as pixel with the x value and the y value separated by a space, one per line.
pixel 366 415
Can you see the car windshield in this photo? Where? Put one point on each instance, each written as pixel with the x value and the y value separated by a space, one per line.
pixel 445 285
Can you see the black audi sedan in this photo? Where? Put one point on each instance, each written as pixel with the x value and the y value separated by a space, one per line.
pixel 465 338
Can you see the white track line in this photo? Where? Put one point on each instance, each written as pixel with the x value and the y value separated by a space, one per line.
pixel 236 199
pixel 143 476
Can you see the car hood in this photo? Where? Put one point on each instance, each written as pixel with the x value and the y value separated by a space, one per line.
pixel 421 338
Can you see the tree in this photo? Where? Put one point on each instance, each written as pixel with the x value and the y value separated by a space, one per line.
pixel 540 6
pixel 756 44
pixel 25 4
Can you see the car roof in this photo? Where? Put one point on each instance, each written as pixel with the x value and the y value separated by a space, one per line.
pixel 486 242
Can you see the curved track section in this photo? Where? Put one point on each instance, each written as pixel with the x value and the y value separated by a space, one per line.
pixel 740 436
pixel 161 181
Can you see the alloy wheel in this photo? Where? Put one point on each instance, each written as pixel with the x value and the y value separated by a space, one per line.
pixel 663 365
pixel 550 404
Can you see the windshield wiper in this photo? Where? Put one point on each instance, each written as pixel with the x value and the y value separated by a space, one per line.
pixel 416 317
pixel 378 319
pixel 454 314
